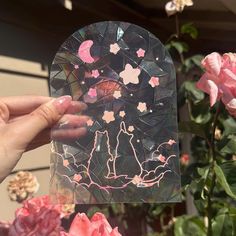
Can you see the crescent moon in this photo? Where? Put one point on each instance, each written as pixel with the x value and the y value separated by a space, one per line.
pixel 84 51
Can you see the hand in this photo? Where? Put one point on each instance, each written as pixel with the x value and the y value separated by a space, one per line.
pixel 25 123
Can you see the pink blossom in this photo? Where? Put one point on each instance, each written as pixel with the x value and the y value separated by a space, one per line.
pixel 37 217
pixel 184 159
pixel 98 225
pixel 219 80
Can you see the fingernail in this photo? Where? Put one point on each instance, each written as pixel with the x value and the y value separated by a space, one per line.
pixel 62 103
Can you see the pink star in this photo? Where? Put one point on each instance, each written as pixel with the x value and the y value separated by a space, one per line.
pixel 95 73
pixel 130 75
pixel 122 114
pixel 154 81
pixel 161 158
pixel 142 106
pixel 131 128
pixel 117 94
pixel 89 122
pixel 114 48
pixel 77 177
pixel 140 52
pixel 65 163
pixel 108 116
pixel 92 93
pixel 171 142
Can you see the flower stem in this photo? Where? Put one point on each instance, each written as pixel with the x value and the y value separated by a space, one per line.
pixel 213 177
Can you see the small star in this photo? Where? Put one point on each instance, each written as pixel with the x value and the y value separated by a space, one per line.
pixel 108 116
pixel 95 73
pixel 150 111
pixel 130 74
pixel 65 163
pixel 161 158
pixel 142 106
pixel 89 122
pixel 122 114
pixel 76 67
pixel 157 58
pixel 77 177
pixel 154 81
pixel 117 94
pixel 114 48
pixel 102 71
pixel 138 141
pixel 131 128
pixel 82 82
pixel 171 142
pixel 140 52
pixel 92 93
pixel 131 95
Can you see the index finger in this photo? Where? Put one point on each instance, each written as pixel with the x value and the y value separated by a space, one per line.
pixel 19 105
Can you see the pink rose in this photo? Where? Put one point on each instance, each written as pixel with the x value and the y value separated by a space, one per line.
pixel 219 80
pixel 37 217
pixel 97 226
pixel 184 159
pixel 4 228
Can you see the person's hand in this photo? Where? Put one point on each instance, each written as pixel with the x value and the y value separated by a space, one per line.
pixel 25 123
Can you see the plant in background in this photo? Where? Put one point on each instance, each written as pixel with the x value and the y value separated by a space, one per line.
pixel 210 176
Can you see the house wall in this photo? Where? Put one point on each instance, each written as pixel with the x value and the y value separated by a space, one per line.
pixel 23 71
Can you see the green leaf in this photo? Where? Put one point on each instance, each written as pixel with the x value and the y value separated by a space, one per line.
pixel 190 62
pixel 189 226
pixel 180 47
pixel 230 126
pixel 226 176
pixel 193 92
pixel 228 145
pixel 189 29
pixel 224 222
pixel 192 127
pixel 200 111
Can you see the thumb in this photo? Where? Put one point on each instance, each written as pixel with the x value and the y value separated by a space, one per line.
pixel 43 117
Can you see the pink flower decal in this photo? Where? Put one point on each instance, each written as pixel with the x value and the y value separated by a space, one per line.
pixel 171 142
pixel 114 48
pixel 95 73
pixel 219 80
pixel 130 75
pixel 92 93
pixel 65 163
pixel 154 81
pixel 131 128
pixel 98 225
pixel 122 114
pixel 89 122
pixel 161 158
pixel 117 94
pixel 142 106
pixel 76 67
pixel 77 177
pixel 140 52
pixel 108 116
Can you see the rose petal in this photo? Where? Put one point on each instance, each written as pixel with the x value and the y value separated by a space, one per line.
pixel 209 87
pixel 212 63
